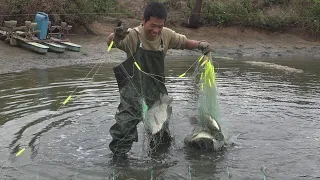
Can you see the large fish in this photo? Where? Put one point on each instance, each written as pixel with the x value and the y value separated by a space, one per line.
pixel 158 115
pixel 207 134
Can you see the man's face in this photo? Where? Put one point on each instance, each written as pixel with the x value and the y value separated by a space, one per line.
pixel 153 27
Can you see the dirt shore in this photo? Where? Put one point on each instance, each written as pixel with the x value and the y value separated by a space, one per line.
pixel 229 42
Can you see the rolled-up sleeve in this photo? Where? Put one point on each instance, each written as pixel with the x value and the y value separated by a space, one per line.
pixel 128 43
pixel 177 41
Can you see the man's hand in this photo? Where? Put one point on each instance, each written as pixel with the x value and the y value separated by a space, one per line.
pixel 120 32
pixel 205 47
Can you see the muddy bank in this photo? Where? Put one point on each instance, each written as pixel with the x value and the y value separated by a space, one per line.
pixel 228 42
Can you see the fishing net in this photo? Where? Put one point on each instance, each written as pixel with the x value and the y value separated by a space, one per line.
pixel 207 103
pixel 208 93
pixel 141 85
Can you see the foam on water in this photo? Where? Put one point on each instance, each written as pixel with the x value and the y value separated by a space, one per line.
pixel 275 66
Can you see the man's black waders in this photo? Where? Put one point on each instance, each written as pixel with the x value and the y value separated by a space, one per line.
pixel 135 85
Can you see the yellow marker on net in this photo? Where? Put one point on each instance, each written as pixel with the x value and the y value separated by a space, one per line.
pixel 20 152
pixel 67 100
pixel 182 75
pixel 206 72
pixel 137 65
pixel 213 69
pixel 212 79
pixel 213 76
pixel 209 66
pixel 201 76
pixel 200 59
pixel 204 62
pixel 206 80
pixel 210 84
pixel 110 46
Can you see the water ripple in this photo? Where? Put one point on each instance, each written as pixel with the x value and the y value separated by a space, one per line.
pixel 273 106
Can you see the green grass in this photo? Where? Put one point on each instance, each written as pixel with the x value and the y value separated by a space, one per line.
pixel 279 15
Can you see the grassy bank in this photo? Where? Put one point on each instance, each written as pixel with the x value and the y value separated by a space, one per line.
pixel 280 15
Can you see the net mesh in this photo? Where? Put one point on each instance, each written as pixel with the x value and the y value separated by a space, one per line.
pixel 140 88
pixel 206 86
pixel 204 82
pixel 143 88
pixel 208 93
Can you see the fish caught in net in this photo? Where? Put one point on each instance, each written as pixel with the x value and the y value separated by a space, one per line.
pixel 143 98
pixel 208 132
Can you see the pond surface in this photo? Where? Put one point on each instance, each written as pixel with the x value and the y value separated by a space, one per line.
pixel 270 106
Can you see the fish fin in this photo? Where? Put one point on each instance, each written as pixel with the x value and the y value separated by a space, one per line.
pixel 214 123
pixel 156 120
pixel 164 98
pixel 169 111
pixel 170 99
pixel 160 98
pixel 211 123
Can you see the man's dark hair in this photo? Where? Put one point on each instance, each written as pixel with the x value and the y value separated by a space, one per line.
pixel 155 9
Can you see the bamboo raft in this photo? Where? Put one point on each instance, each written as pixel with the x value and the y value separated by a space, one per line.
pixel 25 37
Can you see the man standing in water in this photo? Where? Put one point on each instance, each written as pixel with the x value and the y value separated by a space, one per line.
pixel 146 45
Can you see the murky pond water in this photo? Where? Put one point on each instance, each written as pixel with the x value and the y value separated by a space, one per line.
pixel 272 106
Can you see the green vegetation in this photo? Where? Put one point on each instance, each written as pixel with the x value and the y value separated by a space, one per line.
pixel 293 15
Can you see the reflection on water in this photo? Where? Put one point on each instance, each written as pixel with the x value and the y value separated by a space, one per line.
pixel 271 105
